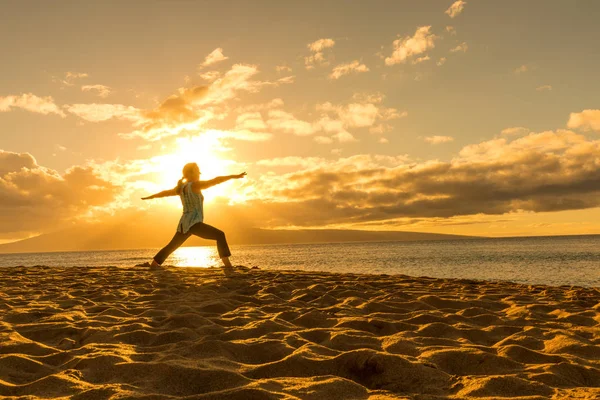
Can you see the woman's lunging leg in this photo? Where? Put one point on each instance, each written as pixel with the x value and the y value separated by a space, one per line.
pixel 206 231
pixel 173 245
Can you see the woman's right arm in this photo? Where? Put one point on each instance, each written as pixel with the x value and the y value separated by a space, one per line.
pixel 164 193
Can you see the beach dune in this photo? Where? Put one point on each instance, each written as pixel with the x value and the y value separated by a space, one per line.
pixel 208 333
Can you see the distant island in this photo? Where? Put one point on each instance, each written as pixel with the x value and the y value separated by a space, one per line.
pixel 83 238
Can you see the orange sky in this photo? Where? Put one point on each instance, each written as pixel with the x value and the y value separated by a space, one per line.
pixel 474 118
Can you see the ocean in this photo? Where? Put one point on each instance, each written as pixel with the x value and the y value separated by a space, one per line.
pixel 557 260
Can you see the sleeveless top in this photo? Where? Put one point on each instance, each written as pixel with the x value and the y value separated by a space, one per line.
pixel 192 208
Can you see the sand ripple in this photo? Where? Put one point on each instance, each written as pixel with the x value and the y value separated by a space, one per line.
pixel 99 333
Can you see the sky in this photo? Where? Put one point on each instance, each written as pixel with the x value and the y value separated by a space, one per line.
pixel 464 117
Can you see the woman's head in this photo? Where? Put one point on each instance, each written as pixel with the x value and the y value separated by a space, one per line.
pixel 191 172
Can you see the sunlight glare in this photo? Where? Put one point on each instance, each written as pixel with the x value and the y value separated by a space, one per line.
pixel 197 256
pixel 206 150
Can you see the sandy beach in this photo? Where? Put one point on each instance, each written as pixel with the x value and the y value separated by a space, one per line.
pixel 137 332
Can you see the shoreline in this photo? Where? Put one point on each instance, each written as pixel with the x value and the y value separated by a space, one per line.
pixel 250 333
pixel 301 271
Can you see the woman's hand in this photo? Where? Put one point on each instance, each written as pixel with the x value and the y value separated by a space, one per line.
pixel 243 174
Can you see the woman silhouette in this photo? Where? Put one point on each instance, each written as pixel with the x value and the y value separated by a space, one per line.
pixel 189 189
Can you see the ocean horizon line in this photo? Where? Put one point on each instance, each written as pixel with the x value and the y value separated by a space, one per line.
pixel 449 239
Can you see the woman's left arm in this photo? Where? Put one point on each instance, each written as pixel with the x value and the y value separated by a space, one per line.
pixel 215 181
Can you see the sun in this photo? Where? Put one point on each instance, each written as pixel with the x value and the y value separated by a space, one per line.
pixel 207 150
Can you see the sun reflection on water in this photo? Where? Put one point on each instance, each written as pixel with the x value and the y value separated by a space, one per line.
pixel 196 256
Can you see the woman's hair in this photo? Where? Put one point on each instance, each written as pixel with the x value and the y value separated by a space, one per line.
pixel 180 184
pixel 187 168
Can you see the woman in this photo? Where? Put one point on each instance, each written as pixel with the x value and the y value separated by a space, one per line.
pixel 189 190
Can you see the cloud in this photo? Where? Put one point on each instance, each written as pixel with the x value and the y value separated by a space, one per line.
pixel 380 129
pixel 191 109
pixel 335 120
pixel 320 45
pixel 11 162
pixel 238 78
pixel 102 91
pixel 354 115
pixel 541 172
pixel 515 131
pixel 32 103
pixel 285 80
pixel 76 75
pixel 410 46
pixel 344 136
pixel 188 110
pixel 438 139
pixel 441 61
pixel 587 120
pixel 251 121
pixel 543 142
pixel 177 113
pixel 286 122
pixel 210 75
pixel 345 69
pixel 334 126
pixel 421 59
pixel 283 68
pixel 317 57
pixel 451 30
pixel 70 78
pixel 517 172
pixel 214 57
pixel 544 88
pixel 461 47
pixel 35 198
pixel 456 8
pixel 359 115
pixel 523 68
pixel 375 98
pixel 103 112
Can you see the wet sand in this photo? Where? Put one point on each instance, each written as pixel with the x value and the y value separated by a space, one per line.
pixel 137 332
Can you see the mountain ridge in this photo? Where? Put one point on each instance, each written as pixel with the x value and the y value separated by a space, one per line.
pixel 117 238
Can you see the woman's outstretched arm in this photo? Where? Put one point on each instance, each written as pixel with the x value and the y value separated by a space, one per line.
pixel 215 181
pixel 164 193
